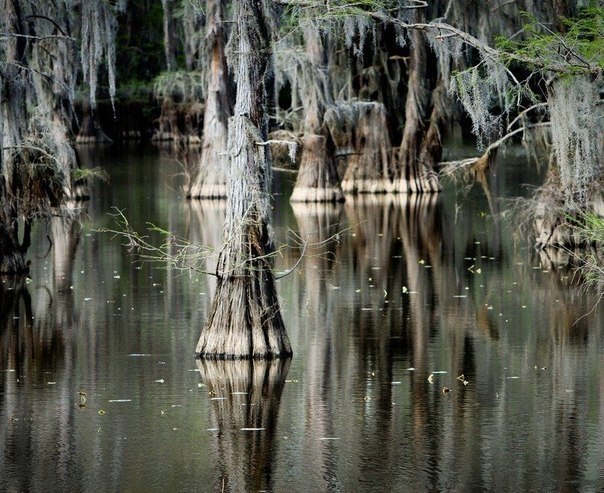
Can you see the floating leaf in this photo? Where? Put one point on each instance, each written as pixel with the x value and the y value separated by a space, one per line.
pixel 405 290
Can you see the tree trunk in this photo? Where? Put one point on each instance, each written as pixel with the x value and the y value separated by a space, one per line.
pixel 12 254
pixel 360 132
pixel 244 320
pixel 209 180
pixel 416 176
pixel 169 35
pixel 317 178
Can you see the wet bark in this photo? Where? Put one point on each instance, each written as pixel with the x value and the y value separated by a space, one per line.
pixel 209 180
pixel 244 320
pixel 318 179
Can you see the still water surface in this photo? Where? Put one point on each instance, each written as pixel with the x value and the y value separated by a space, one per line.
pixel 99 389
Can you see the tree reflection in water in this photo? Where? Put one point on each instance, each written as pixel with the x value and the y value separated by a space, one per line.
pixel 245 396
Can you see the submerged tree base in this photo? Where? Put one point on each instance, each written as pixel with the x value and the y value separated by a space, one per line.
pixel 211 191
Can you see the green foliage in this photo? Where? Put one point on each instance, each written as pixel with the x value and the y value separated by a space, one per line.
pixel 140 49
pixel 580 49
pixel 590 226
pixel 180 85
pixel 96 173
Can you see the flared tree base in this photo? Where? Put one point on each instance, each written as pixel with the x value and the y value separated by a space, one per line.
pixel 210 191
pixel 244 321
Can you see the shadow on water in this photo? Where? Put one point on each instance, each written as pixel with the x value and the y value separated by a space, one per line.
pixel 245 399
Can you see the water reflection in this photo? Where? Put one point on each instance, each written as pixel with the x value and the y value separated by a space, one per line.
pixel 245 399
pixel 65 234
pixel 402 302
pixel 409 287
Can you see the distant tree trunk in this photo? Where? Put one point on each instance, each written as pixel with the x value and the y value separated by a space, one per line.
pixel 360 133
pixel 13 122
pixel 244 320
pixel 415 175
pixel 209 180
pixel 90 130
pixel 12 254
pixel 169 34
pixel 193 25
pixel 317 178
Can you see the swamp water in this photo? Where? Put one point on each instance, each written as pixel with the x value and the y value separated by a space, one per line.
pixel 99 389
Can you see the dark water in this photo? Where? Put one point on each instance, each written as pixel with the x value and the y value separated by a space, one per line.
pixel 412 288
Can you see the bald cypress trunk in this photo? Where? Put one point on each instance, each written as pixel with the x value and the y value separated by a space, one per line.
pixel 360 132
pixel 12 130
pixel 244 320
pixel 416 174
pixel 318 178
pixel 209 180
pixel 169 34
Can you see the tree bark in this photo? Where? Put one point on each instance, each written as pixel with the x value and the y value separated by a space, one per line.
pixel 416 175
pixel 12 255
pixel 209 180
pixel 317 178
pixel 360 133
pixel 244 320
pixel 169 35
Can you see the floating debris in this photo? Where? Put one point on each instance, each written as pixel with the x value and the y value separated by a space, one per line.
pixel 411 368
pixel 395 383
pixel 252 429
pixel 139 355
pixel 462 379
pixel 161 380
pixel 120 400
pixel 446 390
pixel 431 378
pixel 101 412
pixel 329 438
